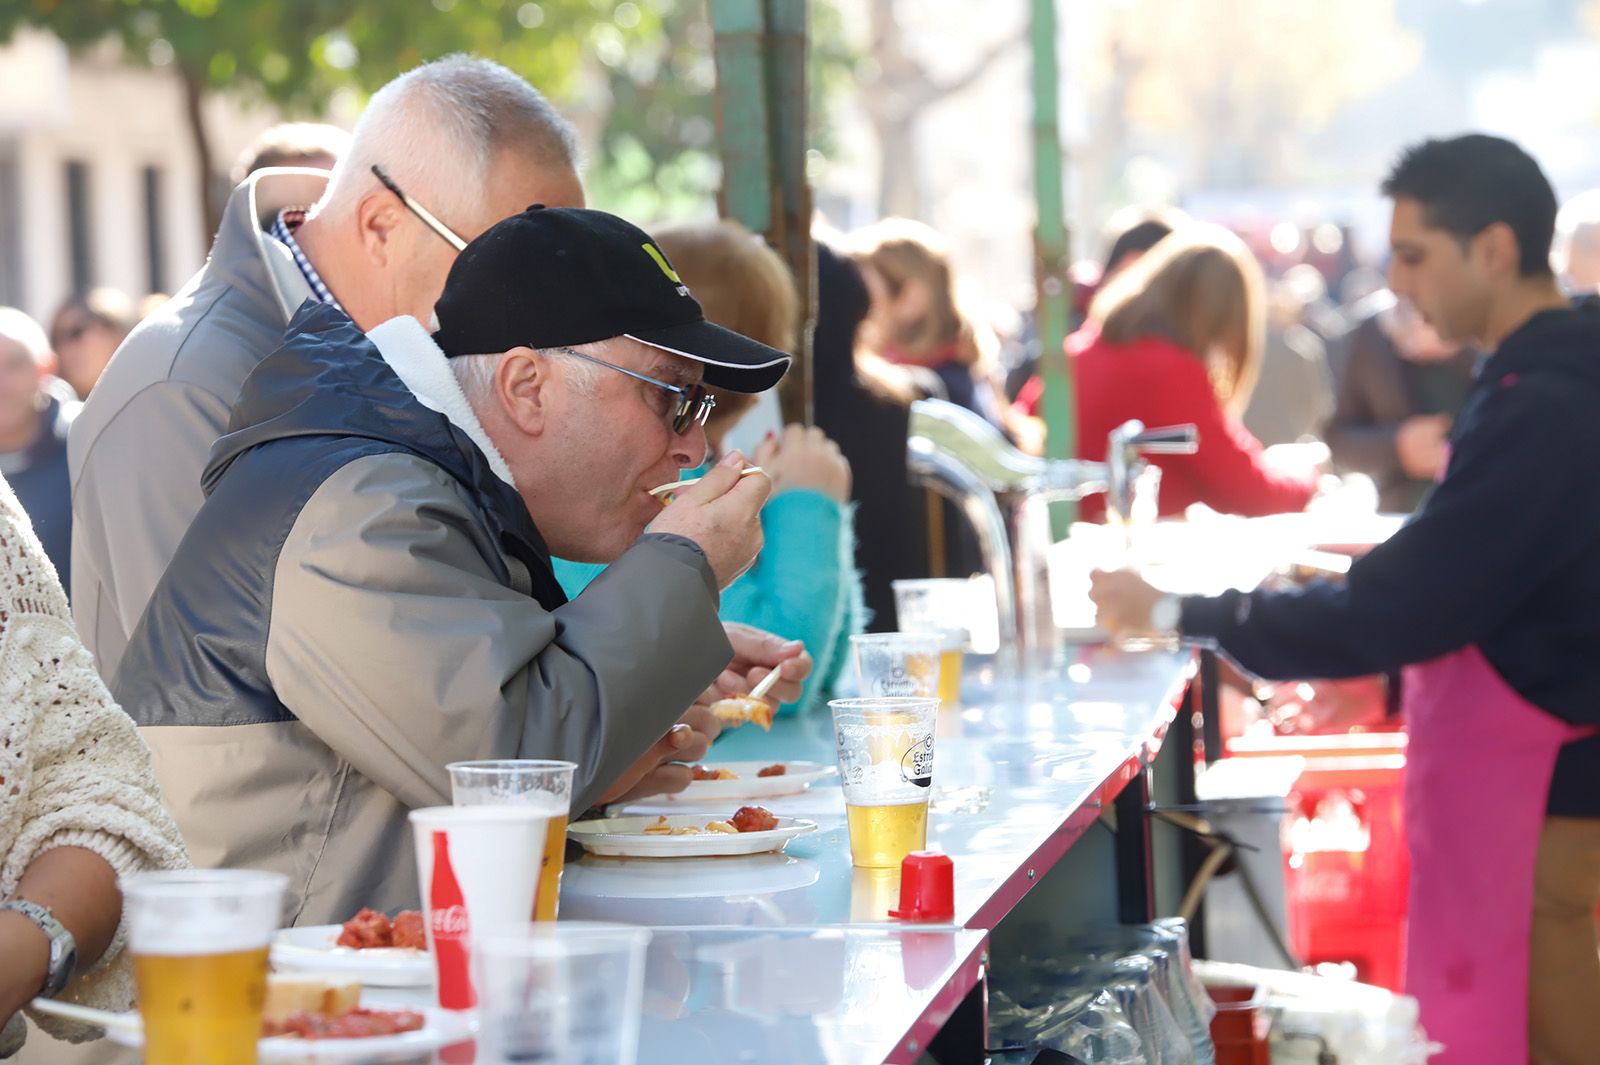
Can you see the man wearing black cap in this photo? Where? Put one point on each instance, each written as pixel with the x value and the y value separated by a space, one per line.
pixel 367 595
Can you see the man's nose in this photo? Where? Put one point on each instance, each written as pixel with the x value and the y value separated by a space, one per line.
pixel 690 447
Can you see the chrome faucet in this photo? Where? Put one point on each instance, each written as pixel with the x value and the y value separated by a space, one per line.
pixel 1005 495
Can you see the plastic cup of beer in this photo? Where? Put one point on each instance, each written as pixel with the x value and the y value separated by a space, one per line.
pixel 897 664
pixel 518 781
pixel 886 769
pixel 565 994
pixel 476 865
pixel 199 941
pixel 941 607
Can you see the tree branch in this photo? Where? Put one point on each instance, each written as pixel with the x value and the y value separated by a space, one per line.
pixel 930 91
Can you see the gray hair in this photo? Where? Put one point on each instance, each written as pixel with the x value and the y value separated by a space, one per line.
pixel 437 129
pixel 475 373
pixel 18 326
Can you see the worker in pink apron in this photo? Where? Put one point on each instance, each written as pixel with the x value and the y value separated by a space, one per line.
pixel 1490 598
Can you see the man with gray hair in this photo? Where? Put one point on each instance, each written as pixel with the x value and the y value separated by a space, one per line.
pixel 466 136
pixel 367 593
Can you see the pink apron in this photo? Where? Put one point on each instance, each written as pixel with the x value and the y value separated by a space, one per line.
pixel 1477 778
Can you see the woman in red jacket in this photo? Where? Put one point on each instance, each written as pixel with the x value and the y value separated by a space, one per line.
pixel 1175 338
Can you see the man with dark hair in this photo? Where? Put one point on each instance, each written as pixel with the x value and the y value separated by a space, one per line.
pixel 1487 597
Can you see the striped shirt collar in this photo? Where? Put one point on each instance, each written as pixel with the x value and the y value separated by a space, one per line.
pixel 283 229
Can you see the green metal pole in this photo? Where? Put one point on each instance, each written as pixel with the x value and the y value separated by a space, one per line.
pixel 742 129
pixel 1050 253
pixel 787 113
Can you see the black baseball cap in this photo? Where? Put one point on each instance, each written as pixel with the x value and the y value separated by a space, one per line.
pixel 555 277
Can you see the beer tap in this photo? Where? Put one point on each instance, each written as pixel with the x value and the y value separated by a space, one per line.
pixel 1005 495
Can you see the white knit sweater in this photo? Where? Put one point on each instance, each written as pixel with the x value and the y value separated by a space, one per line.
pixel 73 770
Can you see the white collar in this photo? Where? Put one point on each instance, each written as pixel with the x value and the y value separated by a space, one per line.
pixel 422 367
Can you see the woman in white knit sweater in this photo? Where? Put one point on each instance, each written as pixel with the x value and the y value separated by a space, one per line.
pixel 79 804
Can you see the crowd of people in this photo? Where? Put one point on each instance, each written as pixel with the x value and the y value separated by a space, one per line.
pixel 371 494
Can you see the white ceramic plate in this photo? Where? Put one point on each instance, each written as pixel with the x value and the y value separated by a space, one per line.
pixel 749 786
pixel 707 878
pixel 314 949
pixel 623 837
pixel 442 1028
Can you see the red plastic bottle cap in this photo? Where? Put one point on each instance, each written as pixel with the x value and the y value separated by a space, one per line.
pixel 927 887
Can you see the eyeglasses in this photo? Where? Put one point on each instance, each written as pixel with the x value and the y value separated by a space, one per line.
pixel 420 211
pixel 694 403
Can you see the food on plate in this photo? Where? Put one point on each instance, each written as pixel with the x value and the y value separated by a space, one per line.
pixel 706 772
pixel 409 931
pixel 754 819
pixel 369 929
pixel 358 1023
pixel 662 828
pixel 736 710
pixel 777 770
pixel 746 819
pixel 289 994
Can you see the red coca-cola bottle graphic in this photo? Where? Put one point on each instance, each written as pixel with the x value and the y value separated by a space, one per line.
pixel 447 917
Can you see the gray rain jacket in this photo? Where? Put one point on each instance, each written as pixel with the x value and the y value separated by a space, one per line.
pixel 139 446
pixel 362 599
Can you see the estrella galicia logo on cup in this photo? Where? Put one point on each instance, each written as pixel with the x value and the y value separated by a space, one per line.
pixel 898 683
pixel 916 765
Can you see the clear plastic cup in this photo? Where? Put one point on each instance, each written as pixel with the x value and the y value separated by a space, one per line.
pixel 560 994
pixel 942 607
pixel 476 865
pixel 518 781
pixel 885 748
pixel 897 664
pixel 199 942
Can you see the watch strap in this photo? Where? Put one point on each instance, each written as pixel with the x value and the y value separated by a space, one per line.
pixel 63 948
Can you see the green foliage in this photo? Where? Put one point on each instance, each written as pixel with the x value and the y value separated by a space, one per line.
pixel 296 53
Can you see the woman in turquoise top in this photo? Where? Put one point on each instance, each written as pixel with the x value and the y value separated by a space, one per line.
pixel 803 585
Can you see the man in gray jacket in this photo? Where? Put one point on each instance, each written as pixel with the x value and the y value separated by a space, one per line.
pixel 469 138
pixel 365 594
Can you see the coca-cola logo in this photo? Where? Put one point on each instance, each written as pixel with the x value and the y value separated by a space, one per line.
pixel 916 765
pixel 449 922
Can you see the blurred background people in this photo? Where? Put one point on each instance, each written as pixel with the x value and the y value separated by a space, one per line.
pixel 1293 397
pixel 85 333
pixel 36 410
pixel 1575 255
pixel 316 145
pixel 803 585
pixel 1399 389
pixel 916 317
pixel 303 145
pixel 1177 337
pixel 862 402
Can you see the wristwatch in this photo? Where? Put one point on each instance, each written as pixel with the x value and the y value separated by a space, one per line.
pixel 1165 614
pixel 63 948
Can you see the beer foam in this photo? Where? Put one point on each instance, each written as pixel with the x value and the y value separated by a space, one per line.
pixel 195 933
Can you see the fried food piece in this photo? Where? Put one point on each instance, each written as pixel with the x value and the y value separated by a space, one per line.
pixel 369 928
pixel 706 772
pixel 773 770
pixel 721 826
pixel 660 828
pixel 739 709
pixel 290 994
pixel 753 819
pixel 408 930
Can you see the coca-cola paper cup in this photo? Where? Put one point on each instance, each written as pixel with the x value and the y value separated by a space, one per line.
pixel 476 865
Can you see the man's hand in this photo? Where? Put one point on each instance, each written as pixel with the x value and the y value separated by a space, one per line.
pixel 755 654
pixel 1419 443
pixel 722 514
pixel 1123 600
pixel 662 770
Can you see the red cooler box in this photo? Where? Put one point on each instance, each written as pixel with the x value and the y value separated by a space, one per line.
pixel 1346 863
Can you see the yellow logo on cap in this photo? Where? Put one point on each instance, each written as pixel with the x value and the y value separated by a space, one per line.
pixel 666 267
